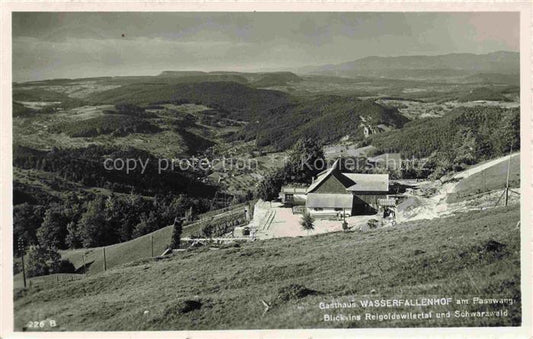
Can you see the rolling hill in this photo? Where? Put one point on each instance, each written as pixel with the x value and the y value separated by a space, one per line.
pixel 495 78
pixel 325 117
pixel 275 79
pixel 272 114
pixel 483 93
pixel 236 100
pixel 260 79
pixel 491 128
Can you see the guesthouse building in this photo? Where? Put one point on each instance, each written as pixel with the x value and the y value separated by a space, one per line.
pixel 334 192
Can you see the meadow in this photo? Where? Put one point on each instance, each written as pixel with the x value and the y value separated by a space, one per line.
pixel 473 254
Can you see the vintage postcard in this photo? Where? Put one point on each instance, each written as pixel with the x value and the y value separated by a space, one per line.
pixel 310 170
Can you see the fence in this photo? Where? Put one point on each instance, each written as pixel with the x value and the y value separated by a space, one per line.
pixel 99 259
pixel 146 246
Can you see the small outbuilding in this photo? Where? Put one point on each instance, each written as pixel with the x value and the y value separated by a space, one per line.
pixel 293 196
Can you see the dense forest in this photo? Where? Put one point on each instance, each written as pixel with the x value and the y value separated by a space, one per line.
pixel 96 220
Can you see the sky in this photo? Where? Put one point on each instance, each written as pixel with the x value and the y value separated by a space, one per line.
pixel 51 45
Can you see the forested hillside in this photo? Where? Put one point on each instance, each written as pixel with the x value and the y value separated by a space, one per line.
pixel 232 99
pixel 326 118
pixel 464 136
pixel 86 167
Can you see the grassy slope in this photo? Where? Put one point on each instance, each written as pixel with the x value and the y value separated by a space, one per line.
pixel 117 254
pixel 131 250
pixel 135 249
pixel 489 179
pixel 442 257
pixel 120 254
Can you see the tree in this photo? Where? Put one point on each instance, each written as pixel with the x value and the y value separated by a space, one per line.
pixel 125 215
pixel 92 225
pixel 306 160
pixel 43 261
pixel 207 230
pixel 307 222
pixel 73 239
pixel 270 186
pixel 465 147
pixel 26 221
pixel 36 263
pixel 53 260
pixel 62 266
pixel 147 224
pixel 53 230
pixel 176 233
pixel 508 134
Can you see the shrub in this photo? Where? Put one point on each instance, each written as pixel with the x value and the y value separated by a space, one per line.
pixel 17 267
pixel 36 263
pixel 63 266
pixel 307 222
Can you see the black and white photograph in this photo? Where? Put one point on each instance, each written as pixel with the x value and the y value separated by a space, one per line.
pixel 243 170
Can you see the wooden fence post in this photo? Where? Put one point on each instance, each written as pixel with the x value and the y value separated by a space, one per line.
pixel 105 264
pixel 84 265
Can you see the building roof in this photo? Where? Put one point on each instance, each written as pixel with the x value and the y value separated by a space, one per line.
pixel 325 200
pixel 387 202
pixel 294 190
pixel 354 182
pixel 322 176
pixel 368 182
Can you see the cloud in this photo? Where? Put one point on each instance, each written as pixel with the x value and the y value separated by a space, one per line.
pixel 500 29
pixel 91 44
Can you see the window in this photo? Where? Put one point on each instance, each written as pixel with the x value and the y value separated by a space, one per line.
pixel 289 197
pixel 319 209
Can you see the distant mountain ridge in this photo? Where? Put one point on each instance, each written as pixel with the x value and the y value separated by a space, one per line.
pixel 257 79
pixel 447 65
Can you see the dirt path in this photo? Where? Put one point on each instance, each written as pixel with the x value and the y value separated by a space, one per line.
pixel 434 206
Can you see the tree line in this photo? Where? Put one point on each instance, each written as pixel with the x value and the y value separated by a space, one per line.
pixel 100 221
